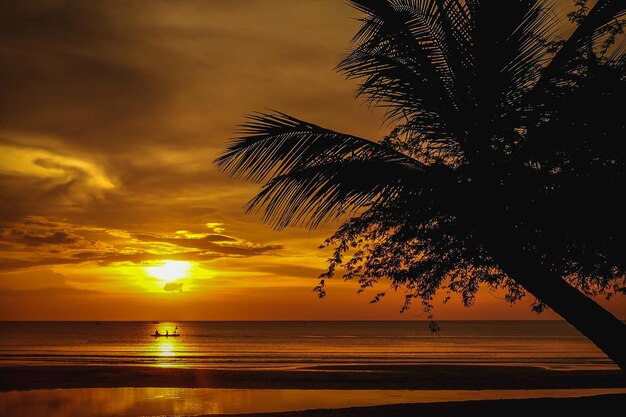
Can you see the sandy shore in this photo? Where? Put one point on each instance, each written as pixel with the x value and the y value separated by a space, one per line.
pixel 596 405
pixel 432 377
pixel 425 377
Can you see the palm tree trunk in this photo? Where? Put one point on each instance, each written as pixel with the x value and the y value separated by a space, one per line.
pixel 601 327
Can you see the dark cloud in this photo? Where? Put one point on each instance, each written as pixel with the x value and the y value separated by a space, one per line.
pixel 54 238
pixel 173 286
pixel 250 250
pixel 39 240
pixel 214 243
pixel 105 259
pixel 207 238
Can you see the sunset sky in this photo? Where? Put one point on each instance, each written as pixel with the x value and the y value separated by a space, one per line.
pixel 111 114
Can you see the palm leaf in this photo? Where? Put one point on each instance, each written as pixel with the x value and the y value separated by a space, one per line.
pixel 274 144
pixel 402 60
pixel 313 174
pixel 311 195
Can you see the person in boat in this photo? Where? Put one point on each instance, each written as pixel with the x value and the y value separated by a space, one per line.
pixel 167 333
pixel 156 332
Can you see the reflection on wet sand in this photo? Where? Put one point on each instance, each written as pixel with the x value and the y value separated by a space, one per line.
pixel 124 402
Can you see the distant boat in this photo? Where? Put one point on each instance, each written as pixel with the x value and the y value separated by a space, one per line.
pixel 155 322
pixel 157 334
pixel 97 322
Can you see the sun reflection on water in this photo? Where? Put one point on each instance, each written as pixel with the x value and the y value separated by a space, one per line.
pixel 166 349
pixel 163 351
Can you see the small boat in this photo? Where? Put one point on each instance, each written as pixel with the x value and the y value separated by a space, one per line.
pixel 157 334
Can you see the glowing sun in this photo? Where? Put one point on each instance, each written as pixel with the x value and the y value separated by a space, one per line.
pixel 169 271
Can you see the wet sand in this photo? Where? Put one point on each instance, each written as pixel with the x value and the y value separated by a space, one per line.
pixel 417 377
pixel 596 405
pixel 431 377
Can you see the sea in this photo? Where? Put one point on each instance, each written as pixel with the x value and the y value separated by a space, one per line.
pixel 296 344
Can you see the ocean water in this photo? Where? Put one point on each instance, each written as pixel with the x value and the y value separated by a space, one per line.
pixel 288 344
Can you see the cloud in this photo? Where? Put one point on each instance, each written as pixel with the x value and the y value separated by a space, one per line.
pixel 197 238
pixel 207 243
pixel 215 227
pixel 173 286
pixel 48 239
pixel 39 162
pixel 37 178
pixel 218 243
pixel 37 241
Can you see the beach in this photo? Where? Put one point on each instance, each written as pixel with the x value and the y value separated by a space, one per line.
pixel 572 406
pixel 285 368
pixel 387 377
pixel 424 390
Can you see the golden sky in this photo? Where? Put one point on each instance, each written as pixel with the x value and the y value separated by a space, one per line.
pixel 110 116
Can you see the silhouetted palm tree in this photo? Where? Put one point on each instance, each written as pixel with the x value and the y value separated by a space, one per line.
pixel 505 165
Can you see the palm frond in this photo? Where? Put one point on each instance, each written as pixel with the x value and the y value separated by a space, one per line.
pixel 273 144
pixel 312 173
pixel 402 61
pixel 311 195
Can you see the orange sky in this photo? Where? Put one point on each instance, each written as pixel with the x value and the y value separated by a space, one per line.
pixel 110 116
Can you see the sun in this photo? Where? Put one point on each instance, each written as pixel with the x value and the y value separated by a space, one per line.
pixel 169 271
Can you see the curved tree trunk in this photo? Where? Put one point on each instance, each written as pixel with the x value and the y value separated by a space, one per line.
pixel 601 327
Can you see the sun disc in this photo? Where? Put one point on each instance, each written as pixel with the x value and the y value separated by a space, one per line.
pixel 169 271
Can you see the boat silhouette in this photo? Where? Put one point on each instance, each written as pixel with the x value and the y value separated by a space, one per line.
pixel 166 334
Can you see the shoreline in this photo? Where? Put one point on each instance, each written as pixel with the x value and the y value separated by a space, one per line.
pixel 484 408
pixel 385 377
